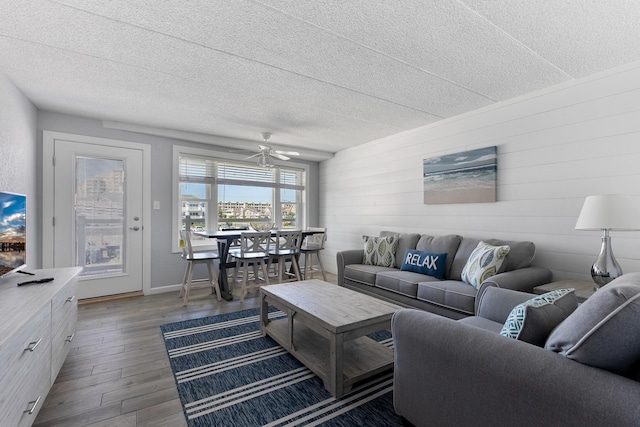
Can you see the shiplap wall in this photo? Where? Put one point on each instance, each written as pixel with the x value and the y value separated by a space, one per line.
pixel 555 147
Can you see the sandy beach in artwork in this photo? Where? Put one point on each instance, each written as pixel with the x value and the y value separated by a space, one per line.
pixel 460 195
pixel 467 177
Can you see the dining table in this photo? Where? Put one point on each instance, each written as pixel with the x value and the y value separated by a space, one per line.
pixel 227 239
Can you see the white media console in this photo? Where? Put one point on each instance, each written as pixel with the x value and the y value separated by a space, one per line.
pixel 37 325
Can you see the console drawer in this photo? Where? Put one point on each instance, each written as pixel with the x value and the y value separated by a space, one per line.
pixel 64 307
pixel 61 343
pixel 26 374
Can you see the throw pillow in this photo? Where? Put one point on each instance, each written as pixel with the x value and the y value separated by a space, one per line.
pixel 380 251
pixel 533 320
pixel 604 330
pixel 431 264
pixel 484 262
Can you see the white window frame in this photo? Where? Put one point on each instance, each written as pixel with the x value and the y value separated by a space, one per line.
pixel 302 216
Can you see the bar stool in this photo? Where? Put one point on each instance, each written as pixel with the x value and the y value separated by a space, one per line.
pixel 287 248
pixel 192 259
pixel 313 244
pixel 253 251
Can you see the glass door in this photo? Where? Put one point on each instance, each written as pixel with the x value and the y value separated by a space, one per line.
pixel 98 216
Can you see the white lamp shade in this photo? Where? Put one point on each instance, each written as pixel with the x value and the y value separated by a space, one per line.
pixel 610 212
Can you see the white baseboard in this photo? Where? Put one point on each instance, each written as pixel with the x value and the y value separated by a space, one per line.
pixel 163 289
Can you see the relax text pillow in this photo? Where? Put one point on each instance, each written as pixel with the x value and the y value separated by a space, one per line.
pixel 432 264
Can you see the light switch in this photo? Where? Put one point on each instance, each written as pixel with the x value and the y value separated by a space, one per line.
pixel 156 205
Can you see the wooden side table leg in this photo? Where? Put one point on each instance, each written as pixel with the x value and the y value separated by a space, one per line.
pixel 336 371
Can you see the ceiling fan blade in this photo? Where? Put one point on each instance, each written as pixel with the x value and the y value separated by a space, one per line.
pixel 288 153
pixel 279 156
pixel 252 156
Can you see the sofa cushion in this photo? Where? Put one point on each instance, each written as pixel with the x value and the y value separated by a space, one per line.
pixel 467 245
pixel 431 264
pixel 401 282
pixel 365 274
pixel 533 320
pixel 484 262
pixel 482 323
pixel 405 241
pixel 380 251
pixel 442 244
pixel 603 331
pixel 451 294
pixel 520 255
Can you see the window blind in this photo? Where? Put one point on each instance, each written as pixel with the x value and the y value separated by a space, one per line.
pixel 197 169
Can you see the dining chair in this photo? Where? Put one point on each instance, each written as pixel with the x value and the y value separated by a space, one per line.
pixel 253 252
pixel 286 248
pixel 313 244
pixel 194 258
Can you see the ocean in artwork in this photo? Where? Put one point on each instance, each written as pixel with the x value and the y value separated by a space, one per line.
pixel 465 177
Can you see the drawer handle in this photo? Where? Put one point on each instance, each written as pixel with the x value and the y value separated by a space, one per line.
pixel 70 337
pixel 70 299
pixel 32 345
pixel 34 404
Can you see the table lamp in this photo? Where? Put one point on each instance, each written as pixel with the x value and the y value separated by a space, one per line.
pixel 608 212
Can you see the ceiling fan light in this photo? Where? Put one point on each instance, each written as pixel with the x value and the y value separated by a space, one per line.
pixel 264 161
pixel 266 136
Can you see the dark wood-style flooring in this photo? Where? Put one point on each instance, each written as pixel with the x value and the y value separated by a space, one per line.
pixel 117 373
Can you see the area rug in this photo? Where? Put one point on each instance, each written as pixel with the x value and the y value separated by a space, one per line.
pixel 228 374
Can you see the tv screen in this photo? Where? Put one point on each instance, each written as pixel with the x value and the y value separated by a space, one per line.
pixel 13 232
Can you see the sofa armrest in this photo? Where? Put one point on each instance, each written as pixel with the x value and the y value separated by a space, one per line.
pixel 350 256
pixel 496 303
pixel 450 373
pixel 522 279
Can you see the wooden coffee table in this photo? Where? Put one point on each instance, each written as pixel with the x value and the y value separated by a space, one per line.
pixel 326 328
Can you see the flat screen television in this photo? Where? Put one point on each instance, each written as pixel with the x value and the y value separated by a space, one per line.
pixel 13 232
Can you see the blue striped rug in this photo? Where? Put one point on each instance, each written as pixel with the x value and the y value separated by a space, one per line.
pixel 227 374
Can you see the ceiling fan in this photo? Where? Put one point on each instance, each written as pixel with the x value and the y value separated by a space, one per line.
pixel 266 154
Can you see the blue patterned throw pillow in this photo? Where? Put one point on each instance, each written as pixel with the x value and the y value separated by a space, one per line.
pixel 533 320
pixel 484 262
pixel 431 264
pixel 380 251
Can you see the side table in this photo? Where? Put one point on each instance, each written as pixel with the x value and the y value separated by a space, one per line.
pixel 584 288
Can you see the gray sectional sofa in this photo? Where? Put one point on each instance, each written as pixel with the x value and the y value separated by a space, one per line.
pixel 450 297
pixel 585 372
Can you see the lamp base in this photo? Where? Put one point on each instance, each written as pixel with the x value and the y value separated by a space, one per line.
pixel 605 268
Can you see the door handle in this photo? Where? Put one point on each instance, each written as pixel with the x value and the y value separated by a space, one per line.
pixel 135 228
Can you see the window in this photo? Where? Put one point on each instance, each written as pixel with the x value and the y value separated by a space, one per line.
pixel 218 194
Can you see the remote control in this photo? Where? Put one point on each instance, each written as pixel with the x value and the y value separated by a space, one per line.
pixel 48 279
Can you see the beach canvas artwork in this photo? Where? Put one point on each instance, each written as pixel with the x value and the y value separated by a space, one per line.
pixel 465 177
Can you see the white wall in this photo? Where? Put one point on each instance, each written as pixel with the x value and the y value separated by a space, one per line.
pixel 19 165
pixel 555 147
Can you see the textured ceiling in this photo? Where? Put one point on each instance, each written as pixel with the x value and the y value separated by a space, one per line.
pixel 319 74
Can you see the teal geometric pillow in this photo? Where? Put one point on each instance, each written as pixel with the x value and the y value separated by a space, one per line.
pixel 380 251
pixel 533 320
pixel 484 262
